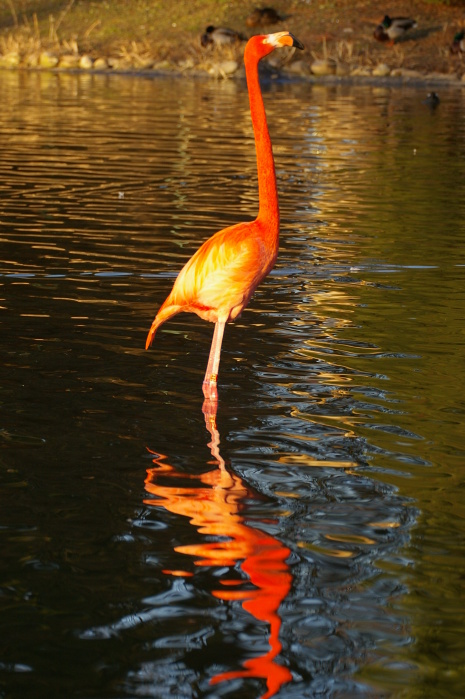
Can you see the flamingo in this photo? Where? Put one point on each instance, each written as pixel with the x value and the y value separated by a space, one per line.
pixel 220 278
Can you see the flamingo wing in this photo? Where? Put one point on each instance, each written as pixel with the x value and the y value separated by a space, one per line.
pixel 219 279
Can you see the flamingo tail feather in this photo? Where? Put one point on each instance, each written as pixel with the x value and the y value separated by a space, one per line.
pixel 163 314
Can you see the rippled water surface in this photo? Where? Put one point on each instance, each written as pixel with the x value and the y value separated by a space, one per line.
pixel 313 544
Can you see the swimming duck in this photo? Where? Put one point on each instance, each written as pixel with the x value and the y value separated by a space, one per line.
pixel 220 36
pixel 432 100
pixel 263 16
pixel 458 45
pixel 391 28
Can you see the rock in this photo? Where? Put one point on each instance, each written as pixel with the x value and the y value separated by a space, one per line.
pixel 381 70
pixel 85 62
pixel 298 68
pixel 100 63
pixel 442 76
pixel 186 64
pixel 163 65
pixel 406 73
pixel 48 60
pixel 229 67
pixel 120 64
pixel 10 60
pixel 325 66
pixel 69 61
pixel 342 69
pixel 223 69
pixel 32 60
pixel 145 63
pixel 362 71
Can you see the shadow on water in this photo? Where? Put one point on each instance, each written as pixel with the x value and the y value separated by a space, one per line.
pixel 320 553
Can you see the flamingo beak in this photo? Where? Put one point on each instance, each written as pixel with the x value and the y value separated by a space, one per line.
pixel 283 39
pixel 296 43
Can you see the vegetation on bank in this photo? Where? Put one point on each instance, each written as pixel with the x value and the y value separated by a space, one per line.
pixel 165 34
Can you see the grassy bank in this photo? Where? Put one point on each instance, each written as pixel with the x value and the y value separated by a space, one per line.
pixel 154 33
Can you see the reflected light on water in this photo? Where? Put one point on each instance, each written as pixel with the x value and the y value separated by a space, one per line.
pixel 213 505
pixel 341 400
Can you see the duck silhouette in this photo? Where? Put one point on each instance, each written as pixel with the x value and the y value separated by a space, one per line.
pixel 458 44
pixel 260 17
pixel 220 36
pixel 392 28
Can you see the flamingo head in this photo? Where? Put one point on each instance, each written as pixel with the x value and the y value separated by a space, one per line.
pixel 282 39
pixel 262 45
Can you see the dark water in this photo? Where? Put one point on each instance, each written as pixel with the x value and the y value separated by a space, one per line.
pixel 314 545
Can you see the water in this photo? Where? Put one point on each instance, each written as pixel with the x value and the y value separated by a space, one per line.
pixel 313 543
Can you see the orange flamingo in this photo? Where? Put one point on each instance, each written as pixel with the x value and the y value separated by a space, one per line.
pixel 219 279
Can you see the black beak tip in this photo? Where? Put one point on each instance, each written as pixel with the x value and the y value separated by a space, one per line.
pixel 298 44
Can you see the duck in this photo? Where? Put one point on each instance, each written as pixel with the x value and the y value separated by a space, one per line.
pixel 391 28
pixel 458 44
pixel 220 36
pixel 260 17
pixel 432 100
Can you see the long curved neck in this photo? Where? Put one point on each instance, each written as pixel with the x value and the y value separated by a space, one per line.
pixel 267 190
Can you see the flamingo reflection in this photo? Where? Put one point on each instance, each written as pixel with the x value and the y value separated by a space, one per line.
pixel 213 505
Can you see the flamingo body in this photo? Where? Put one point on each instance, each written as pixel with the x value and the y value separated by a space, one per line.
pixel 220 278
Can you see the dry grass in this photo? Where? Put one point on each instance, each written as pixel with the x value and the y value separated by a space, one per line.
pixel 141 32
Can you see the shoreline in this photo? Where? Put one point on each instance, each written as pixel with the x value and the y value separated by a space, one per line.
pixel 409 78
pixel 146 38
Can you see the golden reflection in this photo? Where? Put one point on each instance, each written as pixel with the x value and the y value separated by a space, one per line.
pixel 214 504
pixel 350 539
pixel 346 423
pixel 332 553
pixel 306 460
pixel 384 525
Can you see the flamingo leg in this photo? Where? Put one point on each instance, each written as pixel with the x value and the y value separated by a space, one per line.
pixel 211 375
